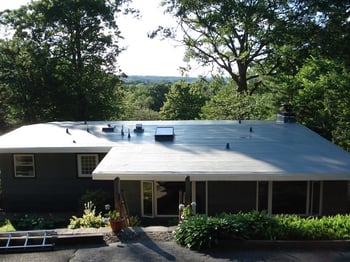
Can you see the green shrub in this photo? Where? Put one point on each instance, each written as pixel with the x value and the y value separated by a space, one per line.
pixel 134 221
pixel 251 225
pixel 196 232
pixel 6 225
pixel 89 218
pixel 200 231
pixel 35 222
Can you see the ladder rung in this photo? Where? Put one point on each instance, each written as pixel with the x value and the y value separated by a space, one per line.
pixel 9 240
pixel 27 239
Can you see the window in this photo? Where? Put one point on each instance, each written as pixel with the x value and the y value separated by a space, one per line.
pixel 162 198
pixel 86 164
pixel 24 165
pixel 262 195
pixel 167 196
pixel 147 193
pixel 201 197
pixel 289 197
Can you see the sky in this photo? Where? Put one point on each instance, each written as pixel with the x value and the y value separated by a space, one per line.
pixel 143 56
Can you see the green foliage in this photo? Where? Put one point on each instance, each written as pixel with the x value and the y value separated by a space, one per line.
pixel 89 218
pixel 6 226
pixel 325 228
pixel 183 101
pixel 134 221
pixel 226 103
pixel 34 222
pixel 113 215
pixel 60 61
pixel 322 100
pixel 99 198
pixel 196 232
pixel 143 101
pixel 234 36
pixel 200 231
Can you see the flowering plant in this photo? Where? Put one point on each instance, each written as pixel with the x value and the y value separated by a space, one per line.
pixel 187 211
pixel 112 214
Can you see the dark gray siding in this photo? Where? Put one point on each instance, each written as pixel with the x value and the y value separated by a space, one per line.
pixel 335 197
pixel 56 186
pixel 226 196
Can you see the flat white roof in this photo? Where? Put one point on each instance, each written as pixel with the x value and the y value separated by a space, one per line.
pixel 203 150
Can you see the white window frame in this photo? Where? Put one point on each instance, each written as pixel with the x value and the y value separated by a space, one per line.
pixel 17 164
pixel 80 167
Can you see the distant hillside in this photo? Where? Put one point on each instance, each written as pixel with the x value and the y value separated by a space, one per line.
pixel 157 79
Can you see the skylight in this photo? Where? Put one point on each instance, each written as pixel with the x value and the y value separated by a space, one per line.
pixel 164 134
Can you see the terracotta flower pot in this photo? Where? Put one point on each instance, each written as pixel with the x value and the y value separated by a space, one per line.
pixel 117 224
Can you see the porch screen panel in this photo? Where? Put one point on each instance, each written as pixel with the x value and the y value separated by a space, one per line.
pixel 167 195
pixel 315 198
pixel 289 197
pixel 262 195
pixel 201 198
pixel 147 188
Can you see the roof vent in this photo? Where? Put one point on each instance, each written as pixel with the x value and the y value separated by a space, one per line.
pixel 139 128
pixel 164 134
pixel 108 129
pixel 286 114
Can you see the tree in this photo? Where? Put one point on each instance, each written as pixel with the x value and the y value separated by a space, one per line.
pixel 142 101
pixel 333 34
pixel 226 103
pixel 183 102
pixel 24 72
pixel 322 101
pixel 60 62
pixel 249 40
pixel 236 36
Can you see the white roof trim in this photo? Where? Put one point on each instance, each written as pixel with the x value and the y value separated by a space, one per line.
pixel 169 162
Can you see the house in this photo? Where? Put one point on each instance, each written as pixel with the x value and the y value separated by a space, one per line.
pixel 278 166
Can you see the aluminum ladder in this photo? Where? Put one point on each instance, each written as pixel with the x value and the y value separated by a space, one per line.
pixel 34 239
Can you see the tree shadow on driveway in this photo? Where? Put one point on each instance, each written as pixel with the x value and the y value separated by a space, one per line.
pixel 146 247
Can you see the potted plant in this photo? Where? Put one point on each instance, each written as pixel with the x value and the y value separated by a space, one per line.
pixel 115 220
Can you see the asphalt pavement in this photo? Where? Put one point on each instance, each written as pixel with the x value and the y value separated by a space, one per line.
pixel 149 250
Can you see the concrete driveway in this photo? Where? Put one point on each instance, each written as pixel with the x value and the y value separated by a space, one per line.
pixel 148 250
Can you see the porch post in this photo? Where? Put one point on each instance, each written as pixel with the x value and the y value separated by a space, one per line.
pixel 188 196
pixel 117 194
